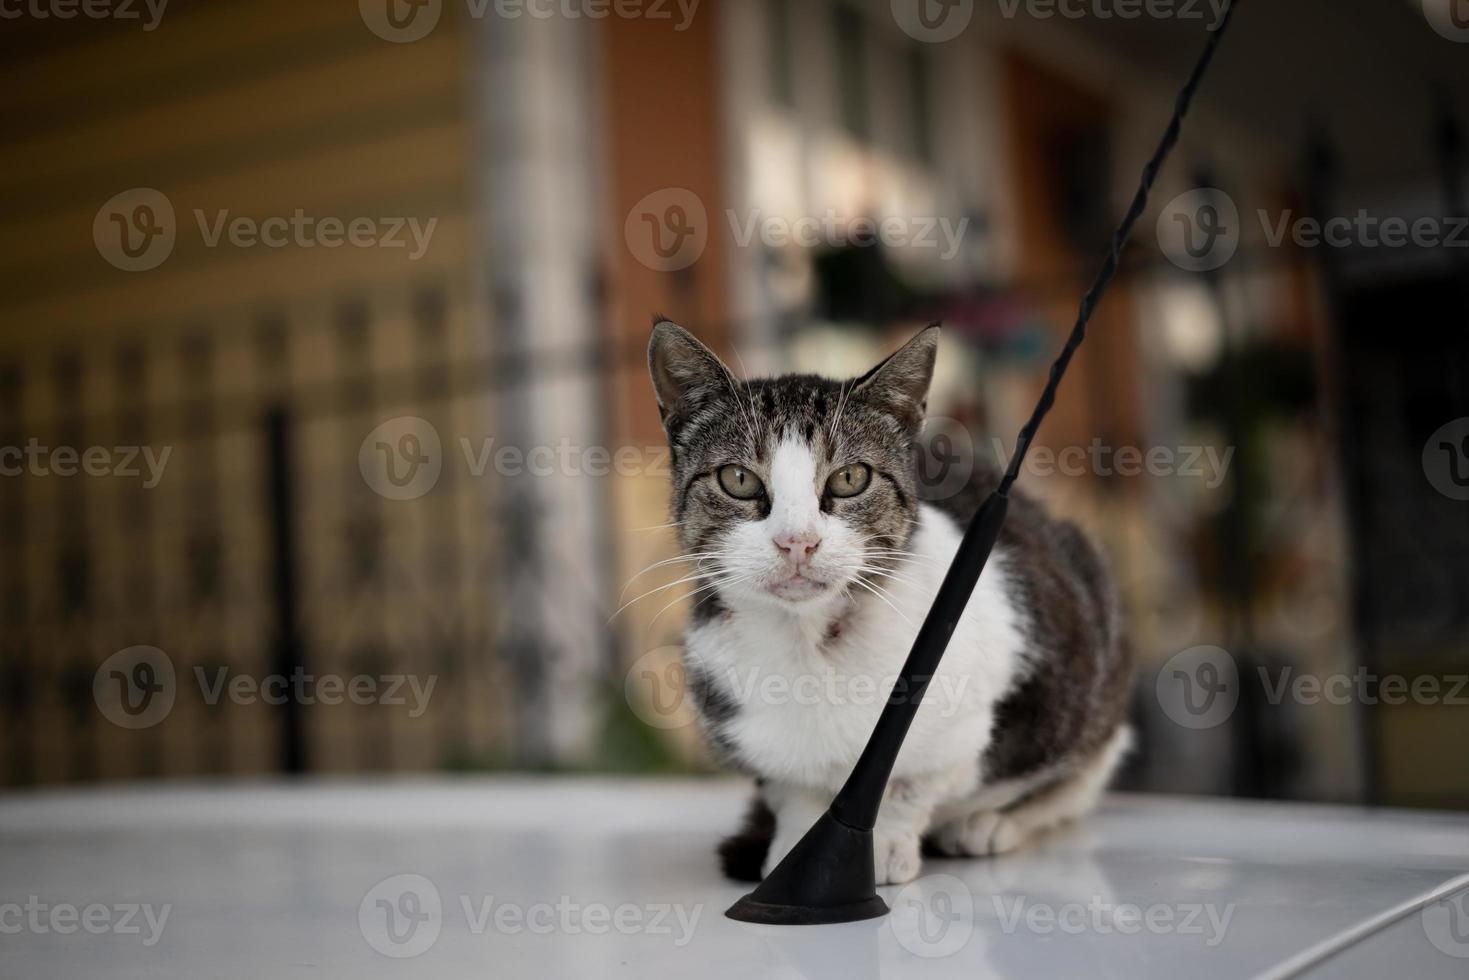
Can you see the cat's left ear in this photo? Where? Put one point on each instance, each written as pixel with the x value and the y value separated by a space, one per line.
pixel 899 385
pixel 683 369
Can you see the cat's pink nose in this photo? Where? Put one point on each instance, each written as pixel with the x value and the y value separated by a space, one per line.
pixel 800 547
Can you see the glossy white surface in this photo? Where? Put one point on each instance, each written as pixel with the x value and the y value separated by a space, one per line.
pixel 604 878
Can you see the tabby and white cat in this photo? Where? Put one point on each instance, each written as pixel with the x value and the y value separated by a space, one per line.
pixel 796 502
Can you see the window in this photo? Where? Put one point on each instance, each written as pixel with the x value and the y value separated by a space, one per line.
pixel 778 31
pixel 851 64
pixel 916 71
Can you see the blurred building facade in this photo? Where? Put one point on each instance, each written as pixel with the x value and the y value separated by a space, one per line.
pixel 580 174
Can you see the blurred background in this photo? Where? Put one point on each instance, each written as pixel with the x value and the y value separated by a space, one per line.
pixel 326 443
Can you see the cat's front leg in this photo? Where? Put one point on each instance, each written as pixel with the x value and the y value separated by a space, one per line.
pixel 796 808
pixel 907 807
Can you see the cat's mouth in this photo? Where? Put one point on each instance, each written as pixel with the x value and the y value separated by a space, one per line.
pixel 798 587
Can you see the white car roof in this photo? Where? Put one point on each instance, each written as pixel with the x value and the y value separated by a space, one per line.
pixel 560 877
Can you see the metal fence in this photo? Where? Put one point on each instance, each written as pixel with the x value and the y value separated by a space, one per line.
pixel 197 490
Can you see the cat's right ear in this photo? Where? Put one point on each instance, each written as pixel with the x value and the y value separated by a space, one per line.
pixel 682 368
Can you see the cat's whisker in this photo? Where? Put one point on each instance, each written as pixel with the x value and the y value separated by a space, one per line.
pixel 750 391
pixel 871 588
pixel 873 537
pixel 735 580
pixel 688 578
pixel 913 563
pixel 898 553
pixel 864 569
pixel 868 570
pixel 699 557
pixel 836 417
pixel 751 425
pixel 657 527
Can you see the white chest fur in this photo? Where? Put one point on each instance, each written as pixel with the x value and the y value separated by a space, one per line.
pixel 809 687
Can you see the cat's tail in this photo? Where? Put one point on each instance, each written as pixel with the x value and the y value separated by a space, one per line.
pixel 742 854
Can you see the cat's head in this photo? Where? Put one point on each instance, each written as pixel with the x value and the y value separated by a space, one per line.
pixel 787 488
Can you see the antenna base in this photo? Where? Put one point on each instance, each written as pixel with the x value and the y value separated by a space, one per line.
pixel 827 878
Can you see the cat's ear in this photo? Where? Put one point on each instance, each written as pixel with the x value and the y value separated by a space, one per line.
pixel 682 368
pixel 899 385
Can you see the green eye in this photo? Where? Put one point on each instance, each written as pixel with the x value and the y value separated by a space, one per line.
pixel 849 480
pixel 739 482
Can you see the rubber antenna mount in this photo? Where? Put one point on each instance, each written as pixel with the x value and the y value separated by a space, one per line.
pixel 828 876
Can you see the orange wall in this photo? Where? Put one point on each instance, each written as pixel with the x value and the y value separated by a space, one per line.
pixel 1100 391
pixel 664 130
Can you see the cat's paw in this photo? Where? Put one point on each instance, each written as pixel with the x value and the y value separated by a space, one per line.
pixel 984 832
pixel 896 857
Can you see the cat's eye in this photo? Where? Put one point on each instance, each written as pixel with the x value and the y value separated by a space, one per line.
pixel 739 482
pixel 850 480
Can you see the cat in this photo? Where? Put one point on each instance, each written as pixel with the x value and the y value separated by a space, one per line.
pixel 797 506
